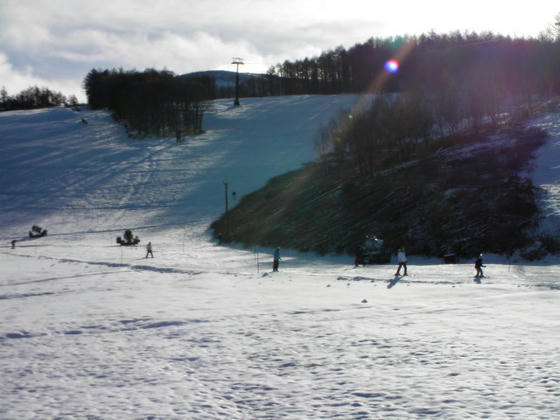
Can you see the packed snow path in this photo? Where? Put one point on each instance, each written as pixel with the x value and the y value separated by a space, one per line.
pixel 90 329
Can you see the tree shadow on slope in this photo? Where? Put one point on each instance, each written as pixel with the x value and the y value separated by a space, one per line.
pixel 460 195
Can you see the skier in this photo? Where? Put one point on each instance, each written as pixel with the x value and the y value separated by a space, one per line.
pixel 276 261
pixel 401 258
pixel 359 256
pixel 478 266
pixel 149 250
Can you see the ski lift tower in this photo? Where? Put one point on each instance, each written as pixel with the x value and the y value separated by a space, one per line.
pixel 237 61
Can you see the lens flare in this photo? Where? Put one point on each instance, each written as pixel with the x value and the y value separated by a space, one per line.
pixel 392 66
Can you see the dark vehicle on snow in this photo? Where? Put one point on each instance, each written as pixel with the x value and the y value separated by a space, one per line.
pixel 128 238
pixel 37 232
pixel 372 251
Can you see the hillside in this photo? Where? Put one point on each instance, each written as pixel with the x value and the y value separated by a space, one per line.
pixel 94 330
pixel 462 194
pixel 223 78
pixel 54 168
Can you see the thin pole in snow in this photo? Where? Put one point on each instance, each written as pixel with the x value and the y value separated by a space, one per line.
pixel 227 208
pixel 257 258
pixel 226 195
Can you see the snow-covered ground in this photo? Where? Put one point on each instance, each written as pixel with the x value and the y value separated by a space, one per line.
pixel 92 330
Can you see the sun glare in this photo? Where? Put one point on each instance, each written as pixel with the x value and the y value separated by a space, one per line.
pixel 392 66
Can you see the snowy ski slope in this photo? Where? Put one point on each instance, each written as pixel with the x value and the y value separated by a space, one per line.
pixel 89 329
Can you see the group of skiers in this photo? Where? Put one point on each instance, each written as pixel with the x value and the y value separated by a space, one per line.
pixel 275 261
pixel 401 261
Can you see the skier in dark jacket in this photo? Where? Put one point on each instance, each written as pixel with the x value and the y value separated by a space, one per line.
pixel 276 261
pixel 478 266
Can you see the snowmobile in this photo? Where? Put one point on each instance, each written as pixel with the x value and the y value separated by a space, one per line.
pixel 37 232
pixel 372 252
pixel 128 238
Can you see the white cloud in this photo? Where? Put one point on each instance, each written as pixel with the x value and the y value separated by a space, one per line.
pixel 59 41
pixel 17 80
pixel 13 80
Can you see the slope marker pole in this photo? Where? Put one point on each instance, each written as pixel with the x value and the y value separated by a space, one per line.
pixel 257 258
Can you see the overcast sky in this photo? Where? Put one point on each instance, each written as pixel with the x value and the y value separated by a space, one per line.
pixel 55 43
